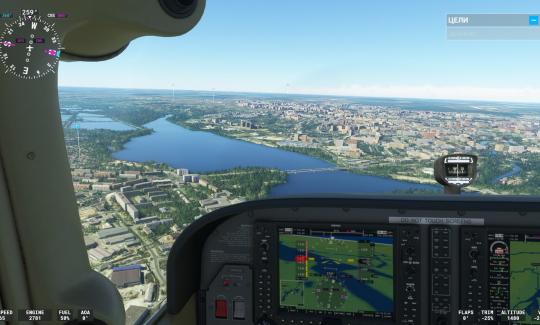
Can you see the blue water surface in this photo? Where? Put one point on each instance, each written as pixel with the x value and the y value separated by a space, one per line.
pixel 202 152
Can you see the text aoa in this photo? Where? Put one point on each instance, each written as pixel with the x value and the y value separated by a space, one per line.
pixel 458 20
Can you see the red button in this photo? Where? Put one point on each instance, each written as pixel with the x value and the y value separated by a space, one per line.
pixel 221 308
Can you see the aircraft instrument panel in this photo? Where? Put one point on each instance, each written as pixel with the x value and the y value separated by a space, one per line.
pixel 380 262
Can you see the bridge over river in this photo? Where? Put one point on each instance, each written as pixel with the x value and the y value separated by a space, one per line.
pixel 315 170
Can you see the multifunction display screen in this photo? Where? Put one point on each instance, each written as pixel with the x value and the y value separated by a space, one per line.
pixel 514 276
pixel 337 272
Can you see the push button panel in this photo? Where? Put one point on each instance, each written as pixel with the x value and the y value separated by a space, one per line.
pixel 229 297
pixel 441 276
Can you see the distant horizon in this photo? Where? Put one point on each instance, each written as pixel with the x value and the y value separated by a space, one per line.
pixel 381 49
pixel 306 94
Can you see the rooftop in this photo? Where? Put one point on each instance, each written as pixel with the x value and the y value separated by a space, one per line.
pixel 112 232
pixel 136 314
pixel 128 267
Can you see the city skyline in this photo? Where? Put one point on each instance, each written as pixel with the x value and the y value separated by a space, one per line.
pixel 350 49
pixel 271 93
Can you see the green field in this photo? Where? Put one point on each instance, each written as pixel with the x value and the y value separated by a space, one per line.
pixel 525 277
pixel 341 275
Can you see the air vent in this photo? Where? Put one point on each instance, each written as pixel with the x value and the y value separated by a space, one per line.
pixel 178 8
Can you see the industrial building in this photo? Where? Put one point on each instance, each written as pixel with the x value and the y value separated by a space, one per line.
pixel 99 254
pixel 119 239
pixel 89 242
pixel 125 276
pixel 132 242
pixel 112 232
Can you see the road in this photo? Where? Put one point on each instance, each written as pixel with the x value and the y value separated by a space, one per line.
pixel 151 248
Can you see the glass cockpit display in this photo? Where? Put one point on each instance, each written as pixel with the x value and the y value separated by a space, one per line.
pixel 514 276
pixel 345 272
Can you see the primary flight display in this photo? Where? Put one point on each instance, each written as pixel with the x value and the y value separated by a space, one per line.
pixel 349 272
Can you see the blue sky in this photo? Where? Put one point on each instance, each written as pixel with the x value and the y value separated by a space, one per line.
pixel 342 47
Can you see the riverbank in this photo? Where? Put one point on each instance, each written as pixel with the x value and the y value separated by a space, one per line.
pixel 248 182
pixel 206 152
pixel 216 131
pixel 327 158
pixel 271 141
pixel 116 142
pixel 422 180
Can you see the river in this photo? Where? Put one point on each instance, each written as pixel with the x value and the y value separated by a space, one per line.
pixel 205 152
pixel 515 171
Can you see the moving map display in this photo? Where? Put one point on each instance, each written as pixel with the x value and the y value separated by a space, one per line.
pixel 514 277
pixel 336 272
pixel 525 276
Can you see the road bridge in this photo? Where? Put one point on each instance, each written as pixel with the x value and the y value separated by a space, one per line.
pixel 314 170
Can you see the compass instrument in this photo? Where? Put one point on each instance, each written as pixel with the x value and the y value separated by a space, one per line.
pixel 29 47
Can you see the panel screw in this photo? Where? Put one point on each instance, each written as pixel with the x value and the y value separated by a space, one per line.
pixel 31 155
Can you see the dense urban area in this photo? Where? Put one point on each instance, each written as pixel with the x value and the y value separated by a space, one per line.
pixel 132 212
